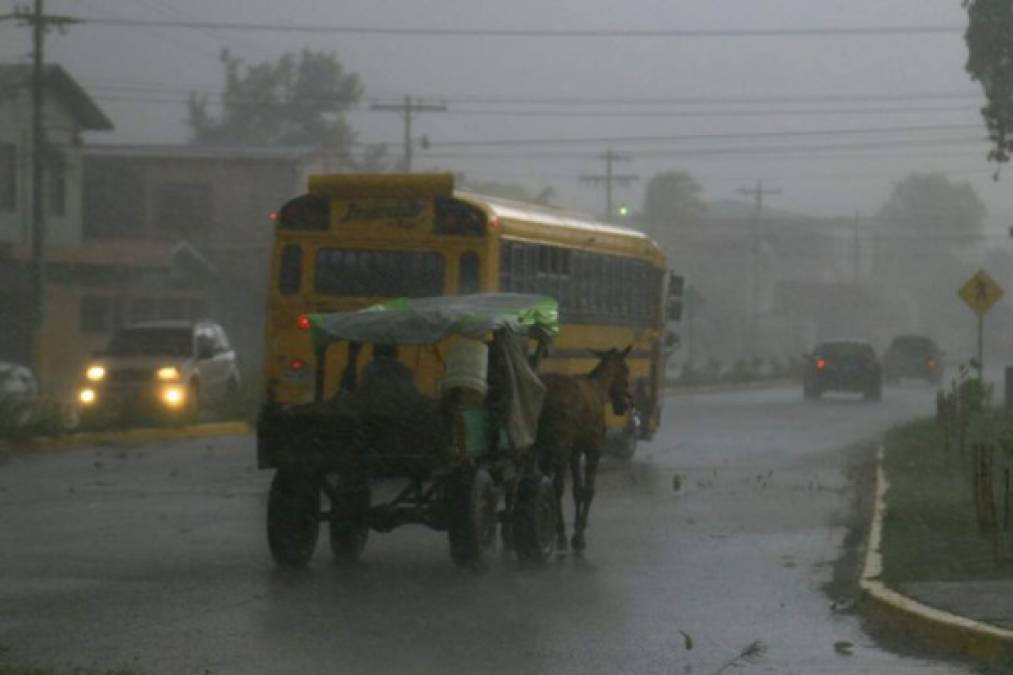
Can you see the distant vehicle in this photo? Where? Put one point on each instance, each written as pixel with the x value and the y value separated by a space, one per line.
pixel 18 395
pixel 165 368
pixel 843 365
pixel 914 356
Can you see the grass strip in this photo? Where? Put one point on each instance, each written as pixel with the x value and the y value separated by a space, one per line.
pixel 930 531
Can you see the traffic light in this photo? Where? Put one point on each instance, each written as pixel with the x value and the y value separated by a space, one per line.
pixel 623 211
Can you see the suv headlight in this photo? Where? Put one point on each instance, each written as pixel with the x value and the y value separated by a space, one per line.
pixel 95 373
pixel 168 374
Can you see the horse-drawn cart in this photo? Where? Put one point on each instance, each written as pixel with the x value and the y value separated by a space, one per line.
pixel 462 462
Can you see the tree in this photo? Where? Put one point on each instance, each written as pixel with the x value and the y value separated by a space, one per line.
pixel 672 199
pixel 931 202
pixel 300 99
pixel 929 225
pixel 990 61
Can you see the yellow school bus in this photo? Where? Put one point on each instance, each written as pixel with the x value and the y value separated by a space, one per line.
pixel 355 240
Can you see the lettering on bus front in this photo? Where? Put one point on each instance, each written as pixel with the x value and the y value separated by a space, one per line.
pixel 403 214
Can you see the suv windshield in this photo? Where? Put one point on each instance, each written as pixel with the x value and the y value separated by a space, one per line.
pixel 153 341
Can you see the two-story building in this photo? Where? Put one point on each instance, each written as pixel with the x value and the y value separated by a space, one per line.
pixel 133 232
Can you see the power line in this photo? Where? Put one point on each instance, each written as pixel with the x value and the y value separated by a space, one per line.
pixel 708 100
pixel 809 150
pixel 486 32
pixel 612 100
pixel 170 99
pixel 513 142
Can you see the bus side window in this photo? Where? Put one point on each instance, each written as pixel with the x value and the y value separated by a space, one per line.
pixel 290 273
pixel 517 267
pixel 505 278
pixel 467 273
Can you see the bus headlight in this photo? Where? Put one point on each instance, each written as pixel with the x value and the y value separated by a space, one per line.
pixel 95 374
pixel 168 374
pixel 173 396
pixel 86 396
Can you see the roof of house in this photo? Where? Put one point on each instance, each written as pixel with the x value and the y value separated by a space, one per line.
pixel 81 105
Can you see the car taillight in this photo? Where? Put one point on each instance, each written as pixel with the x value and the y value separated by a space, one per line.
pixel 821 364
pixel 303 322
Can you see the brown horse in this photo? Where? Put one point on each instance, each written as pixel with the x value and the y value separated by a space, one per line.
pixel 572 427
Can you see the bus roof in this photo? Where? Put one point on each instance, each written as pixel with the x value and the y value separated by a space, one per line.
pixel 506 208
pixel 509 212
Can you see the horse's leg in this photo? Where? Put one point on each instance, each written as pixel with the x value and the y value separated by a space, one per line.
pixel 559 487
pixel 578 494
pixel 591 457
pixel 551 467
pixel 506 527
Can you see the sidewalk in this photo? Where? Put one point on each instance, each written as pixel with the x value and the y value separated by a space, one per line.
pixel 140 436
pixel 988 601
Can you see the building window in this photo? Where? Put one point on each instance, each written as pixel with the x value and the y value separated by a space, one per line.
pixel 8 177
pixel 96 315
pixel 114 199
pixel 56 188
pixel 183 207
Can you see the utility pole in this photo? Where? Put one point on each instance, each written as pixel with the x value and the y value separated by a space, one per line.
pixel 857 250
pixel 757 193
pixel 610 177
pixel 407 109
pixel 40 23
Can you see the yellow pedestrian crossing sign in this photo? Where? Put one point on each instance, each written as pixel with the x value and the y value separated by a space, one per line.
pixel 980 292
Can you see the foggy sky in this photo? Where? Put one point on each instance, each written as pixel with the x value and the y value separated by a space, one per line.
pixel 122 61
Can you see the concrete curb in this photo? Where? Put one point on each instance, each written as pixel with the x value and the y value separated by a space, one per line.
pixel 933 627
pixel 89 439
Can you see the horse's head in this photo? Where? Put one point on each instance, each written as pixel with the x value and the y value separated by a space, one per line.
pixel 614 373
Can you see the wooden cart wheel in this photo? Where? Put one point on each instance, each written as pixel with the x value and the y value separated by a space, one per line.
pixel 534 519
pixel 293 517
pixel 348 526
pixel 473 521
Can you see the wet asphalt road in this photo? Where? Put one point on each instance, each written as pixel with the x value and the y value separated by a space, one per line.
pixel 156 557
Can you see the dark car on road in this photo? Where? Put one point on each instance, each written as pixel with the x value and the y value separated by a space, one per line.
pixel 843 365
pixel 913 356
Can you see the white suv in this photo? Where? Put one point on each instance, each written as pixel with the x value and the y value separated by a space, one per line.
pixel 174 368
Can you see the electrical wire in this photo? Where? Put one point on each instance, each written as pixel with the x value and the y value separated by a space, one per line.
pixel 486 32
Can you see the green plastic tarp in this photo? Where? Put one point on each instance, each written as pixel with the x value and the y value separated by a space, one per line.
pixel 428 320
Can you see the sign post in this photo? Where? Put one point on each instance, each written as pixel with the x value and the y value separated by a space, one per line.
pixel 979 293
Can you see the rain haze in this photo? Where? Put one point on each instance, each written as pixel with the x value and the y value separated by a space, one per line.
pixel 444 336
